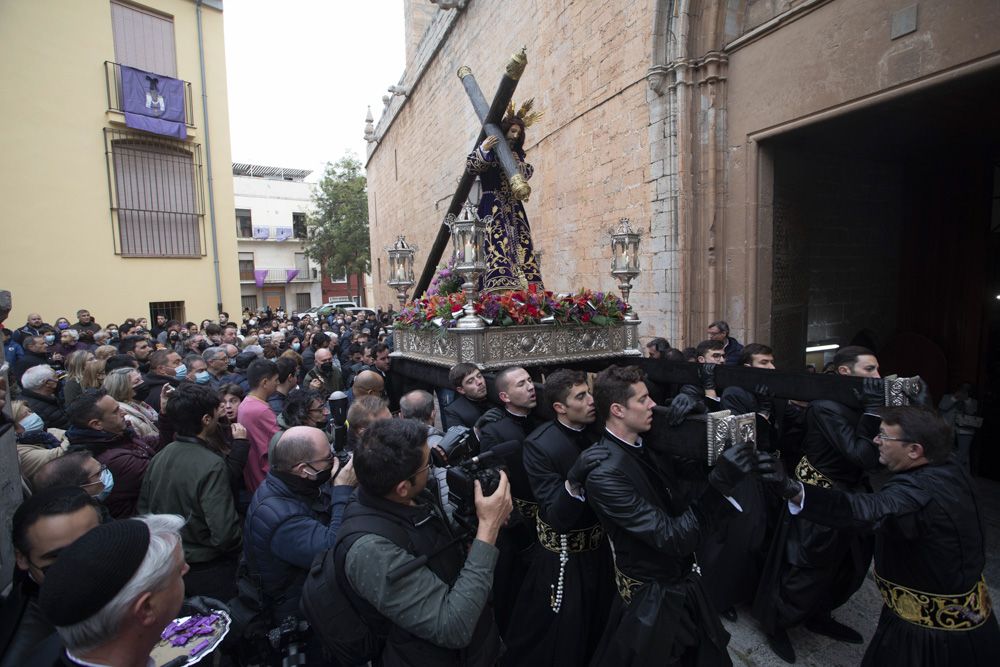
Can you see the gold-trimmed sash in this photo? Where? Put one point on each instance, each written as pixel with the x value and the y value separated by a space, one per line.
pixel 965 611
pixel 807 474
pixel 585 539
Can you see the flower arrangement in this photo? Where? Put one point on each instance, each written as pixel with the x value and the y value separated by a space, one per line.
pixel 446 281
pixel 523 307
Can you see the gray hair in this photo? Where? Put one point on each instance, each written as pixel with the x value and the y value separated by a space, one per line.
pixel 256 349
pixel 721 325
pixel 417 404
pixel 154 574
pixel 72 332
pixel 210 353
pixel 100 335
pixel 118 384
pixel 35 377
pixel 291 450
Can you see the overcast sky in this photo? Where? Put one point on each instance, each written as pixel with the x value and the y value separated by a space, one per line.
pixel 302 74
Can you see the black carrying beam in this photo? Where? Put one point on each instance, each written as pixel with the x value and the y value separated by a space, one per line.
pixel 505 91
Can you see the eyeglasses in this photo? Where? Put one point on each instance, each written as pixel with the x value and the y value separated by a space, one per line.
pixel 420 470
pixel 99 473
pixel 886 438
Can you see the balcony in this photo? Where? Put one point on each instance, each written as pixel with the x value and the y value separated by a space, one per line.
pixel 113 83
pixel 276 276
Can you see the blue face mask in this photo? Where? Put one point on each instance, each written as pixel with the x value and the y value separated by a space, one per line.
pixel 32 423
pixel 108 480
pixel 296 346
pixel 202 377
pixel 49 339
pixel 181 372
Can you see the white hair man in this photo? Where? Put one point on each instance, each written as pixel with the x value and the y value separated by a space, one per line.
pixel 111 593
pixel 40 388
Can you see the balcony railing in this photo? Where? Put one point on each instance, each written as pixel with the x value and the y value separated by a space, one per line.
pixel 278 276
pixel 113 81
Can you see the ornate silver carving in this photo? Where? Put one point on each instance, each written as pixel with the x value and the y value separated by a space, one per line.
pixel 898 390
pixel 499 347
pixel 724 430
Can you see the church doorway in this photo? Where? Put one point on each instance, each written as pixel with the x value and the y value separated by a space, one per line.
pixel 886 233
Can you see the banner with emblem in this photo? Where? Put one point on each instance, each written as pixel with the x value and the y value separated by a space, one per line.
pixel 153 102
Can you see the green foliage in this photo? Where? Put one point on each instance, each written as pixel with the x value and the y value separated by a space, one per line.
pixel 338 230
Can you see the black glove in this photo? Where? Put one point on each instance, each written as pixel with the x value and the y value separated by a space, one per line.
pixel 490 416
pixel 773 474
pixel 765 396
pixel 872 394
pixel 681 406
pixel 734 464
pixel 706 373
pixel 920 396
pixel 588 459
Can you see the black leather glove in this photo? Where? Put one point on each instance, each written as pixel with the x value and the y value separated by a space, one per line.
pixel 872 394
pixel 765 396
pixel 734 464
pixel 588 459
pixel 922 397
pixel 681 406
pixel 706 373
pixel 773 474
pixel 490 416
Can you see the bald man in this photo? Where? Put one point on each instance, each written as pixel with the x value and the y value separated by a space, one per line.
pixel 368 383
pixel 294 515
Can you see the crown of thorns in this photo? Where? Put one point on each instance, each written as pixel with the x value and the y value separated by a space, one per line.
pixel 523 114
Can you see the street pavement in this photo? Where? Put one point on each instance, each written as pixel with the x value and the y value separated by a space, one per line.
pixel 748 645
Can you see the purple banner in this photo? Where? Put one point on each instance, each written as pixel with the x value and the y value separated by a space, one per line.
pixel 261 232
pixel 290 274
pixel 258 276
pixel 153 102
pixel 283 233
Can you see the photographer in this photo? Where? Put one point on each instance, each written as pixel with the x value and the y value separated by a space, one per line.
pixel 436 614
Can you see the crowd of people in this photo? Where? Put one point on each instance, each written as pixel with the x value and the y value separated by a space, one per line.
pixel 340 513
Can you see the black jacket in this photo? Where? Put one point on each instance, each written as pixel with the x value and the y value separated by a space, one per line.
pixel 838 442
pixel 549 452
pixel 156 383
pixel 48 408
pixel 29 360
pixel 463 412
pixel 516 428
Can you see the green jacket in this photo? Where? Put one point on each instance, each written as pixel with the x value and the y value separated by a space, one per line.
pixel 188 479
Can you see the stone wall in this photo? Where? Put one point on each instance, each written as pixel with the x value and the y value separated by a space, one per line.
pixel 586 68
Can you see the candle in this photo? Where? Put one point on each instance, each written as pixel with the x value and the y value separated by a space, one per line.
pixel 470 255
pixel 400 273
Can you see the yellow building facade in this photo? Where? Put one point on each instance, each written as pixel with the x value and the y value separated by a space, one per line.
pixel 98 215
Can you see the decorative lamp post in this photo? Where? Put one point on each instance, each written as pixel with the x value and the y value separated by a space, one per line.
pixel 625 260
pixel 401 268
pixel 468 233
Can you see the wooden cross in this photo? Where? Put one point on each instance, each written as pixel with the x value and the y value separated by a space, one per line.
pixel 490 117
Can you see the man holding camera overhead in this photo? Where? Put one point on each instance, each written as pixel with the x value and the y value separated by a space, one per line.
pixel 662 615
pixel 437 611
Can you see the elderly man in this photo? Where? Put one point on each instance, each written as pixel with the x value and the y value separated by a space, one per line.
pixel 97 424
pixel 84 321
pixel 35 354
pixel 40 387
pixel 163 365
pixel 111 593
pixel 719 331
pixel 324 377
pixel 294 516
pixel 217 360
pixel 43 525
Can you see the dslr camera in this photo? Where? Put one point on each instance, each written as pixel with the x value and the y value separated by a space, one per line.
pixel 461 479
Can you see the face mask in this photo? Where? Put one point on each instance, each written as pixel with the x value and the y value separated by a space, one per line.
pixel 252 322
pixel 231 363
pixel 32 423
pixel 296 346
pixel 302 485
pixel 108 480
pixel 326 367
pixel 63 325
pixel 49 339
pixel 202 377
pixel 181 372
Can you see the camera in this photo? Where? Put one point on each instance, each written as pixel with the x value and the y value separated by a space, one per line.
pixel 289 640
pixel 455 446
pixel 461 479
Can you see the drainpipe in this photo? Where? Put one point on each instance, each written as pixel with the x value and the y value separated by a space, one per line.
pixel 208 165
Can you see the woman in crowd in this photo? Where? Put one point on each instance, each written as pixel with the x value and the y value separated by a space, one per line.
pixel 75 364
pixel 120 385
pixel 35 445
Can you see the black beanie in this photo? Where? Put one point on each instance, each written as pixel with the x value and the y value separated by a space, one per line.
pixel 90 572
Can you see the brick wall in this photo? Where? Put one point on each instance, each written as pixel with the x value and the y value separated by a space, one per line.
pixel 586 69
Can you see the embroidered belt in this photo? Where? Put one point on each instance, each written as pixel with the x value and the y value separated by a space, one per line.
pixel 965 611
pixel 578 541
pixel 626 585
pixel 807 474
pixel 528 510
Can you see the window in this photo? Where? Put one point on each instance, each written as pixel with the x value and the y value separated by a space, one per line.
pixel 246 266
pixel 244 223
pixel 299 225
pixel 172 310
pixel 143 39
pixel 249 301
pixel 156 195
pixel 303 301
pixel 338 276
pixel 302 265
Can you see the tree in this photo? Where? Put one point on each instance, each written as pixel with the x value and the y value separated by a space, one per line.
pixel 338 230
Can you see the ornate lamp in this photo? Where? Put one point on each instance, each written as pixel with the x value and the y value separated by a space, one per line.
pixel 625 260
pixel 401 267
pixel 468 233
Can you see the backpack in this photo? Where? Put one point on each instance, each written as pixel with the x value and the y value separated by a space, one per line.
pixel 346 624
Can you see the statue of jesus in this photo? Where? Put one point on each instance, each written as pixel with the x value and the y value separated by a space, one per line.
pixel 510 256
